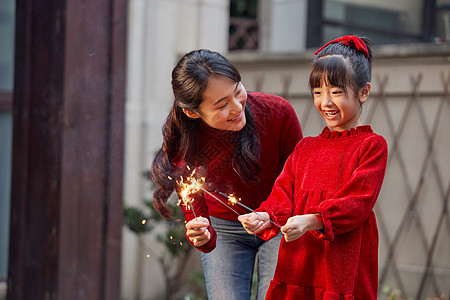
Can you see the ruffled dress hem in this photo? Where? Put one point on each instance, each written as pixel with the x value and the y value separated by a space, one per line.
pixel 279 290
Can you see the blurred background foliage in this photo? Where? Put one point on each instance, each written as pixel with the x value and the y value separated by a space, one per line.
pixel 170 234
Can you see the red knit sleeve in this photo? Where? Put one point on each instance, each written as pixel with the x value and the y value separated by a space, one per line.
pixel 353 203
pixel 201 210
pixel 279 205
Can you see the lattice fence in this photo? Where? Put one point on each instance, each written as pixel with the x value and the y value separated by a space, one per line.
pixel 416 236
pixel 412 210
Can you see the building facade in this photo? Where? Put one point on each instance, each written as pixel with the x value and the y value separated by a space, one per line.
pixel 271 42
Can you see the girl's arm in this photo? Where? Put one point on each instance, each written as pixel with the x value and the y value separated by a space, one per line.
pixel 353 203
pixel 255 222
pixel 296 226
pixel 280 203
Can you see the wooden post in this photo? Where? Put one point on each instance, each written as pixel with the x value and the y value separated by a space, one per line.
pixel 66 205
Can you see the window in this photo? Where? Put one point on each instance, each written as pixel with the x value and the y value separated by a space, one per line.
pixel 259 25
pixel 243 25
pixel 384 21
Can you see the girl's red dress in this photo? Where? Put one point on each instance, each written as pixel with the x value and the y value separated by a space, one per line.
pixel 338 175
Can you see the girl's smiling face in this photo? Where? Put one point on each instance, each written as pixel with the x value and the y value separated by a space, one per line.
pixel 223 105
pixel 340 108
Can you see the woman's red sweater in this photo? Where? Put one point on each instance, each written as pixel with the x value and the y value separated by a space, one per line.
pixel 337 175
pixel 279 131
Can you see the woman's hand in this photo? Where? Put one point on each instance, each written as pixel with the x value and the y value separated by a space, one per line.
pixel 255 222
pixel 296 226
pixel 197 231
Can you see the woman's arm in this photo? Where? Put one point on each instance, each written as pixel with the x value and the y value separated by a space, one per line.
pixel 199 231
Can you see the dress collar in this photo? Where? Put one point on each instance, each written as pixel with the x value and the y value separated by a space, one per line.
pixel 333 135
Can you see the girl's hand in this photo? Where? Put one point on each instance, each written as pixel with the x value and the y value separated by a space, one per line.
pixel 255 222
pixel 197 231
pixel 296 226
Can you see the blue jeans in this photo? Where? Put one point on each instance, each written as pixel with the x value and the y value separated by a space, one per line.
pixel 229 267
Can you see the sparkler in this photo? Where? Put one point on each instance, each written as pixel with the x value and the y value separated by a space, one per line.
pixel 192 185
pixel 189 187
pixel 217 198
pixel 233 200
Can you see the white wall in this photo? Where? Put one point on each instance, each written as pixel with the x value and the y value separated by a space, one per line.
pixel 283 25
pixel 160 31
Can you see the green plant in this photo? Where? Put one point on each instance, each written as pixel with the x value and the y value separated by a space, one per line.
pixel 199 292
pixel 171 235
pixel 388 293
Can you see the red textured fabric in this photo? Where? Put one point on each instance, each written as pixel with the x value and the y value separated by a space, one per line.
pixel 347 40
pixel 339 175
pixel 279 131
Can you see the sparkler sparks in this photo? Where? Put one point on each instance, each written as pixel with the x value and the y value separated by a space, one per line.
pixel 233 200
pixel 191 185
pixel 217 198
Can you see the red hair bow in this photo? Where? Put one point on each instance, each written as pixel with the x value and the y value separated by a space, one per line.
pixel 347 40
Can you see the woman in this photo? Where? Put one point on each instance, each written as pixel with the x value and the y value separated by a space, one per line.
pixel 239 142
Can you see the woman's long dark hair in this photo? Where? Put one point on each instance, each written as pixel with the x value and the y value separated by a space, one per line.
pixel 180 133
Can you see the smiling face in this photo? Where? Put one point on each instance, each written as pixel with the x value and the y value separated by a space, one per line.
pixel 337 93
pixel 223 105
pixel 339 108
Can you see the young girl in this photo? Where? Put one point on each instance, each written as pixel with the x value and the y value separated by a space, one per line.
pixel 326 192
pixel 240 142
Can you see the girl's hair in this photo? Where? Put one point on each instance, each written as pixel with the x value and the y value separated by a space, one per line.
pixel 342 65
pixel 180 133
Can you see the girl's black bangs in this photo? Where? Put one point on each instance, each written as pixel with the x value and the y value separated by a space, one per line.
pixel 333 69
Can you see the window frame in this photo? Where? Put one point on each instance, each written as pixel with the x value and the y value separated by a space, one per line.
pixel 316 23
